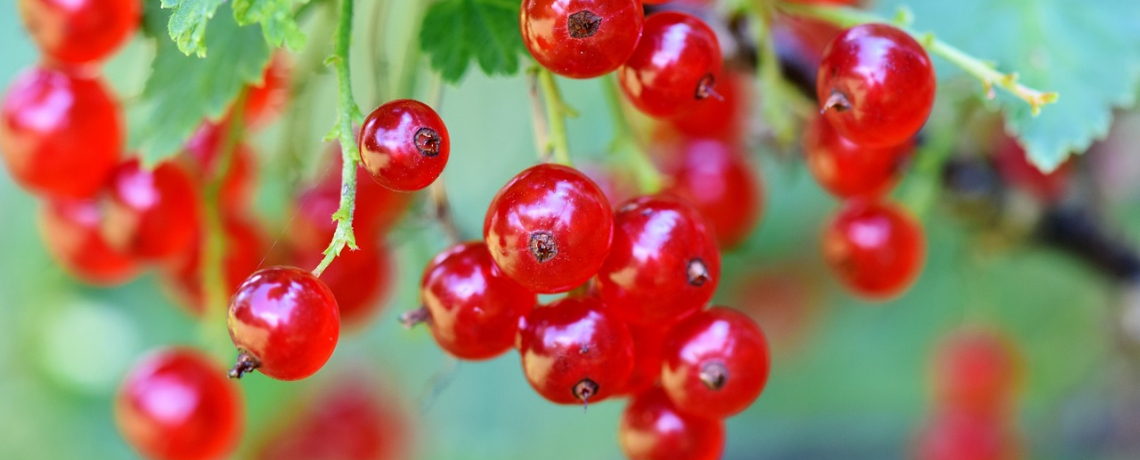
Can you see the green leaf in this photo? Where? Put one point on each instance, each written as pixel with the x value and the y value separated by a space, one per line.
pixel 276 19
pixel 187 23
pixel 455 32
pixel 1089 52
pixel 183 90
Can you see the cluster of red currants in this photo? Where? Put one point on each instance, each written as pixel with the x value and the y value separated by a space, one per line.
pixel 977 377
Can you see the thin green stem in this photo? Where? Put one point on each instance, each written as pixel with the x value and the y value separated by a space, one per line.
pixel 983 71
pixel 348 115
pixel 556 113
pixel 649 179
pixel 776 100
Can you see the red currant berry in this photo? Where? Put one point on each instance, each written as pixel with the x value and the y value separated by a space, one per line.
pixel 724 117
pixel 581 38
pixel 175 404
pixel 653 429
pixel 404 145
pixel 976 370
pixel 80 31
pixel 245 248
pixel 70 229
pixel 714 176
pixel 575 351
pixel 284 322
pixel 549 228
pixel 875 248
pixel 875 85
pixel 360 280
pixel 60 134
pixel 151 214
pixel 716 363
pixel 473 309
pixel 847 169
pixel 263 102
pixel 663 264
pixel 674 67
pixel 954 435
pixel 648 343
pixel 204 150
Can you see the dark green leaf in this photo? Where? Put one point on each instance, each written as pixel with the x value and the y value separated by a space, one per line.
pixel 187 23
pixel 455 32
pixel 183 90
pixel 1089 52
pixel 276 18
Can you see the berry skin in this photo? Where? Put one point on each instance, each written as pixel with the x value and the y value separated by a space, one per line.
pixel 175 404
pixel 716 363
pixel 714 176
pixel 549 228
pixel 151 214
pixel 663 264
pixel 70 229
pixel 245 249
pixel 651 428
pixel 978 371
pixel 875 85
pixel 648 343
pixel 83 31
pixel 574 351
pixel 674 67
pixel 725 117
pixel 875 248
pixel 581 38
pixel 60 134
pixel 847 169
pixel 474 308
pixel 404 145
pixel 284 322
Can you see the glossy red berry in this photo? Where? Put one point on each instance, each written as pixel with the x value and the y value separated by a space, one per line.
pixel 473 309
pixel 361 281
pixel 176 404
pixel 847 169
pixel 716 363
pixel 976 370
pixel 663 264
pixel 648 344
pixel 876 248
pixel 653 429
pixel 674 67
pixel 60 133
pixel 404 145
pixel 284 322
pixel 245 248
pixel 876 85
pixel 581 38
pixel 716 178
pixel 81 31
pixel 956 435
pixel 204 151
pixel 724 117
pixel 574 351
pixel 151 214
pixel 549 228
pixel 71 233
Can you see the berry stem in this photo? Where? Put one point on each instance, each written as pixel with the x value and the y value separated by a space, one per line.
pixel 556 113
pixel 626 144
pixel 778 94
pixel 981 70
pixel 348 115
pixel 441 210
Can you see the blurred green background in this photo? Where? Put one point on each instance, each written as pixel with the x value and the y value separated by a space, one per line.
pixel 850 379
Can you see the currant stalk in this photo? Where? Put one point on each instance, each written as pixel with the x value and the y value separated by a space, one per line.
pixel 779 95
pixel 556 146
pixel 348 115
pixel 986 72
pixel 625 144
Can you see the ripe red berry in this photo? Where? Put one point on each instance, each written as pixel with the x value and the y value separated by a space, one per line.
pixel 663 264
pixel 60 133
pixel 473 308
pixel 265 101
pixel 653 429
pixel 361 281
pixel 976 370
pixel 876 85
pixel 956 435
pixel 574 351
pixel 245 249
pixel 204 151
pixel 716 363
pixel 724 117
pixel 648 344
pixel 284 322
pixel 674 67
pixel 176 404
pixel 847 169
pixel 151 214
pixel 715 177
pixel 404 145
pixel 875 248
pixel 549 228
pixel 581 38
pixel 70 229
pixel 82 31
